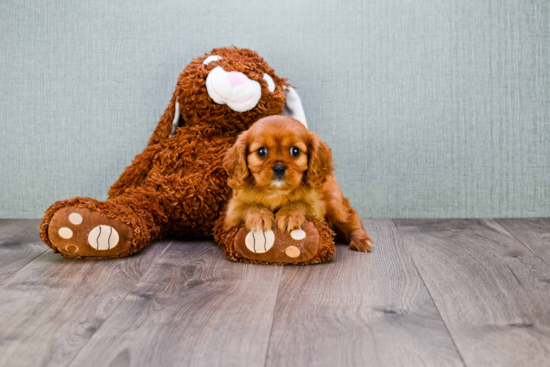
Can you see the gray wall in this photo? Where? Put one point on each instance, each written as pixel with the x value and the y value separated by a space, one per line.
pixel 432 108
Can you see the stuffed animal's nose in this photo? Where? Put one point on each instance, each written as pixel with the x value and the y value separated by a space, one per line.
pixel 236 78
pixel 279 170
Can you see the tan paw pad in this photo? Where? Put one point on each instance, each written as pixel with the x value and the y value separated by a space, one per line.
pixel 75 218
pixel 298 234
pixel 292 251
pixel 65 233
pixel 103 237
pixel 72 249
pixel 260 241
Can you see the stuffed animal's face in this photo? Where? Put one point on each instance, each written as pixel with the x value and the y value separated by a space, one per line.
pixel 229 87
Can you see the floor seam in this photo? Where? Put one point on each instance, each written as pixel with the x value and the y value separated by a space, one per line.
pixel 517 239
pixel 11 221
pixel 122 300
pixel 273 318
pixel 24 266
pixel 429 293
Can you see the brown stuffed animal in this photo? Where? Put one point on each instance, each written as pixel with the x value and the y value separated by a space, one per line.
pixel 177 185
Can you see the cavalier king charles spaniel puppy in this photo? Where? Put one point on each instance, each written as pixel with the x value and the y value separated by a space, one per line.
pixel 280 172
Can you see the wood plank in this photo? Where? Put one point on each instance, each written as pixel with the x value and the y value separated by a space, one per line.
pixel 19 245
pixel 360 309
pixel 533 233
pixel 53 306
pixel 487 288
pixel 4 222
pixel 195 308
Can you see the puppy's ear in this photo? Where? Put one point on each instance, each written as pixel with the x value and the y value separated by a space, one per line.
pixel 319 161
pixel 234 163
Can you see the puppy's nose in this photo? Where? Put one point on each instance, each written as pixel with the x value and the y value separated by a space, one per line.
pixel 279 170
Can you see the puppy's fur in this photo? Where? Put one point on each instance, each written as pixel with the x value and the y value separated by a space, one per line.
pixel 263 198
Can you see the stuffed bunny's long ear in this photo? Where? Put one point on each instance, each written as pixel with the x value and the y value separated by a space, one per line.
pixel 177 117
pixel 293 106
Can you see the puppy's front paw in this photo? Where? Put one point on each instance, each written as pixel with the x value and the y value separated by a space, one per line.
pixel 289 220
pixel 261 220
pixel 361 245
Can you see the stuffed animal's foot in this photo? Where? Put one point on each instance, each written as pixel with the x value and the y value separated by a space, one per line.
pixel 278 246
pixel 310 244
pixel 82 233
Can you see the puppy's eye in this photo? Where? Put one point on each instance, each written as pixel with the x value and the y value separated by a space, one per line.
pixel 294 151
pixel 262 152
pixel 270 82
pixel 210 59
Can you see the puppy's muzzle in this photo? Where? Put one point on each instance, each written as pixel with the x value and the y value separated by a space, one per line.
pixel 279 170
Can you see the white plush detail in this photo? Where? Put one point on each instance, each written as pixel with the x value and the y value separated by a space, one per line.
pixel 103 237
pixel 298 234
pixel 270 82
pixel 293 106
pixel 240 98
pixel 176 119
pixel 259 241
pixel 75 218
pixel 210 59
pixel 65 233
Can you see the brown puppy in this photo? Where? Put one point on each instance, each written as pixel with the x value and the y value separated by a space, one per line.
pixel 280 172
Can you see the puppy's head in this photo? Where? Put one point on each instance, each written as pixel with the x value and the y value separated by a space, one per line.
pixel 278 153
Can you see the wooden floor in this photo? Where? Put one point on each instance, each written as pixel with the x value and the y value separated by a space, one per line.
pixel 433 293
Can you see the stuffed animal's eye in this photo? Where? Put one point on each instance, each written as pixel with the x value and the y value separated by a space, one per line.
pixel 294 151
pixel 262 152
pixel 210 59
pixel 270 82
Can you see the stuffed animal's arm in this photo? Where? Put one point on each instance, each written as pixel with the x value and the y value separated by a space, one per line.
pixel 134 174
